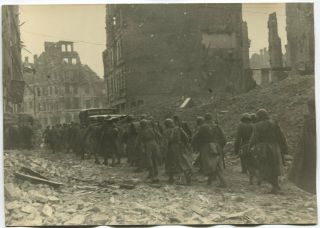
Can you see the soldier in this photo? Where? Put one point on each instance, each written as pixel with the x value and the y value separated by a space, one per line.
pixel 64 130
pixel 303 171
pixel 178 160
pixel 158 138
pixel 186 128
pixel 147 139
pixel 72 136
pixel 210 141
pixel 109 136
pixel 269 146
pixel 95 139
pixel 46 136
pixel 14 137
pixel 53 139
pixel 197 162
pixel 60 139
pixel 130 139
pixel 175 162
pixel 27 134
pixel 75 138
pixel 241 144
pixel 68 137
pixel 81 149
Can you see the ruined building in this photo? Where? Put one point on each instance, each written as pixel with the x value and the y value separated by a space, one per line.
pixel 12 76
pixel 171 49
pixel 245 45
pixel 61 85
pixel 275 50
pixel 261 59
pixel 300 35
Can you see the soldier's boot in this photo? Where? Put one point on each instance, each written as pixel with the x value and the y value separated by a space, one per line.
pixel 275 185
pixel 96 159
pixel 188 177
pixel 154 178
pixel 105 161
pixel 113 163
pixel 171 179
pixel 209 181
pixel 150 174
pixel 155 170
pixel 251 179
pixel 243 165
pixel 81 153
pixel 118 159
pixel 223 183
pixel 259 180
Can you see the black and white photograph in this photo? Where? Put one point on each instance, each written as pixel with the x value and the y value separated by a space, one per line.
pixel 159 114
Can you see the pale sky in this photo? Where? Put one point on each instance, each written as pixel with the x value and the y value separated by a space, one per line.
pixel 85 24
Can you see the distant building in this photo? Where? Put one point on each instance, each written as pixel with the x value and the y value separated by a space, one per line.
pixel 60 86
pixel 261 59
pixel 12 76
pixel 300 35
pixel 172 49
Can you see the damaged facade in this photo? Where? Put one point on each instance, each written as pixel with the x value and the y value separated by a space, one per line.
pixel 12 76
pixel 275 50
pixel 300 36
pixel 245 45
pixel 60 86
pixel 170 49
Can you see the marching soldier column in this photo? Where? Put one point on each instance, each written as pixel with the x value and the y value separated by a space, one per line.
pixel 149 145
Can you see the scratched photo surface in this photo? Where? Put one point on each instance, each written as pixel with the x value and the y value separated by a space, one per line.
pixel 159 114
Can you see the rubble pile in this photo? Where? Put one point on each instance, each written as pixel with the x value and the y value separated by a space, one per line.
pixel 99 195
pixel 285 100
pixel 30 203
pixel 26 203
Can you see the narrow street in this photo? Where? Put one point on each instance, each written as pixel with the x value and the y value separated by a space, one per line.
pixel 97 195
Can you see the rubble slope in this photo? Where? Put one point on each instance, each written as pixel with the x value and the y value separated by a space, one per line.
pixel 285 100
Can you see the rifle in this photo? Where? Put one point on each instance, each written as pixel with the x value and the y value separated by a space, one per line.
pixel 222 155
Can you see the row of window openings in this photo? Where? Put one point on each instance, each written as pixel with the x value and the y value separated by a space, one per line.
pixel 72 61
pixel 70 75
pixel 69 104
pixel 66 47
pixel 118 53
pixel 55 90
pixel 117 85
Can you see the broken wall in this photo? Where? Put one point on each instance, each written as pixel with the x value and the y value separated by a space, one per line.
pixel 300 35
pixel 275 50
pixel 176 48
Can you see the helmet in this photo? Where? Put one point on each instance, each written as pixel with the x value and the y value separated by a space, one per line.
pixel 168 123
pixel 262 114
pixel 245 116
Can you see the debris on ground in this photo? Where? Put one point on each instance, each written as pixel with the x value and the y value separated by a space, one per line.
pixel 102 195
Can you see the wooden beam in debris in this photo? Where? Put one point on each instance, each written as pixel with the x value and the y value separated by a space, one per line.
pixel 31 172
pixel 37 179
pixel 185 102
